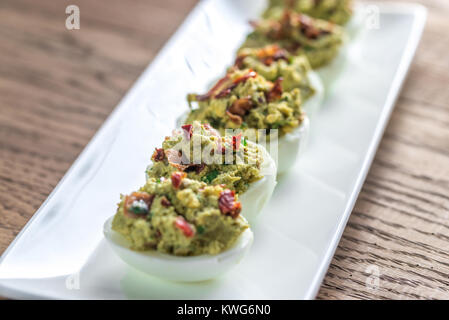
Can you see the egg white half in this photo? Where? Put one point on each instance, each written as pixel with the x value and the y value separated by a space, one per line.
pixel 356 25
pixel 178 268
pixel 289 147
pixel 256 197
pixel 330 72
pixel 313 104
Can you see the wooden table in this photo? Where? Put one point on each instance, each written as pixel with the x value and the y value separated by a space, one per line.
pixel 58 86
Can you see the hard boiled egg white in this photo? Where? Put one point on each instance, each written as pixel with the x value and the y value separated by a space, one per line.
pixel 256 197
pixel 289 147
pixel 330 72
pixel 313 104
pixel 177 268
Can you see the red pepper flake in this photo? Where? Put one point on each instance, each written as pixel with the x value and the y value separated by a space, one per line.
pixel 176 178
pixel 137 196
pixel 165 202
pixel 228 205
pixel 187 131
pixel 236 140
pixel 158 154
pixel 276 91
pixel 184 226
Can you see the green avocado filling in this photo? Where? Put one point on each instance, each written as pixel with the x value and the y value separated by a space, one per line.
pixel 318 40
pixel 188 219
pixel 204 155
pixel 245 100
pixel 335 11
pixel 272 63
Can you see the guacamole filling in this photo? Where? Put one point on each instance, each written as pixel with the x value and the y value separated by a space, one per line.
pixel 335 11
pixel 297 33
pixel 180 216
pixel 245 100
pixel 204 155
pixel 273 62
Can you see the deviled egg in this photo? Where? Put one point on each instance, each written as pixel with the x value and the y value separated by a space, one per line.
pixel 336 11
pixel 231 161
pixel 319 40
pixel 273 62
pixel 180 229
pixel 261 109
pixel 340 12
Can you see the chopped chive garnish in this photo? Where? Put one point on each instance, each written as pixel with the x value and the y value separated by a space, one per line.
pixel 210 176
pixel 200 229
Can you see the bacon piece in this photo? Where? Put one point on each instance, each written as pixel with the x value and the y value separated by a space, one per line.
pixel 238 63
pixel 228 205
pixel 211 130
pixel 235 118
pixel 307 27
pixel 176 178
pixel 291 3
pixel 137 196
pixel 187 128
pixel 226 91
pixel 241 106
pixel 280 55
pixel 267 55
pixel 236 140
pixel 224 86
pixel 184 226
pixel 195 167
pixel 210 94
pixel 199 168
pixel 250 74
pixel 271 51
pixel 254 23
pixel 175 159
pixel 275 92
pixel 293 47
pixel 158 155
pixel 165 202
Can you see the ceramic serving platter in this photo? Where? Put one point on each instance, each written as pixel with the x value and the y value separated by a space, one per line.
pixel 61 253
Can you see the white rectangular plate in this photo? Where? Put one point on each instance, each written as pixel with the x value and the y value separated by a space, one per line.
pixel 61 252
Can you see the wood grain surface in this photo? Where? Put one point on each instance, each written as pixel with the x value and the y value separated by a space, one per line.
pixel 58 86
